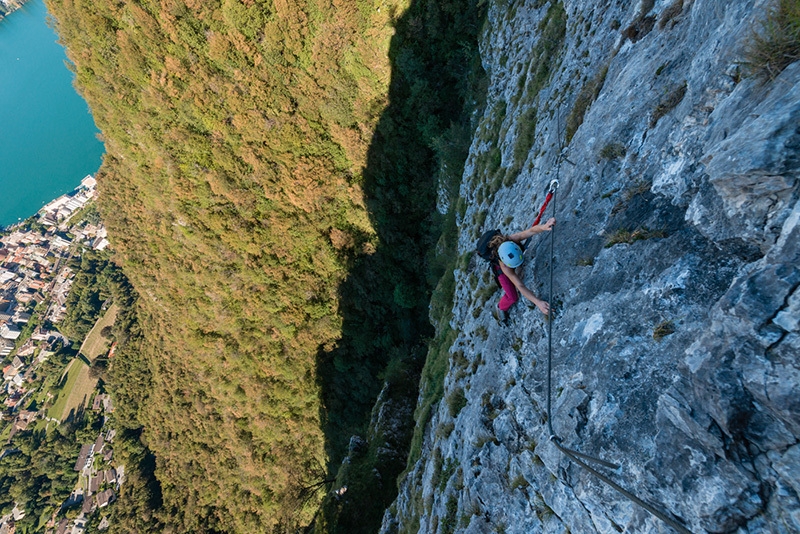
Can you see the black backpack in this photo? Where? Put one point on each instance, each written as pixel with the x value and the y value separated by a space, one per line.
pixel 488 254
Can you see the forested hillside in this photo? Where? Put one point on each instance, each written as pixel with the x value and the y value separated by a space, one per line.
pixel 269 186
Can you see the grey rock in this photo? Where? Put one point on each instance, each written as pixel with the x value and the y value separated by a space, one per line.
pixel 356 446
pixel 676 354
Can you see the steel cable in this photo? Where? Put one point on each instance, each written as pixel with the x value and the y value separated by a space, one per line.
pixel 576 456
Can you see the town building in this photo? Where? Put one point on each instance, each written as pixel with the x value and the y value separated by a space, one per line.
pixel 83 457
pixel 33 269
pixel 6 346
pixel 104 498
pixel 9 331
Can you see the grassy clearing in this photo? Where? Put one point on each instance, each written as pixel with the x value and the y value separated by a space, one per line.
pixel 76 395
pixel 95 344
pixel 5 433
pixel 68 378
pixel 79 383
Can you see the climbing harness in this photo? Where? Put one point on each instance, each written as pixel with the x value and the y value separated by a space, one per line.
pixel 573 455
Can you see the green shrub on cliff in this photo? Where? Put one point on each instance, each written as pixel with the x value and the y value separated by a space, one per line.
pixel 776 43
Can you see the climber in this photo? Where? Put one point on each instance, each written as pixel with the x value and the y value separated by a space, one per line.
pixel 506 255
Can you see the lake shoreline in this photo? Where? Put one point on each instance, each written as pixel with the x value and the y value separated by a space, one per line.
pixel 53 141
pixel 6 8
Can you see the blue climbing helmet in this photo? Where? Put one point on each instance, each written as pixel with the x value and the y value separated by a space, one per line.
pixel 510 253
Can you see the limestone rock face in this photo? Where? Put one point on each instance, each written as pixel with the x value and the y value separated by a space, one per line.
pixel 676 344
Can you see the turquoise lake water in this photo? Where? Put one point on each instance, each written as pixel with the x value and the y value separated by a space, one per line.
pixel 48 139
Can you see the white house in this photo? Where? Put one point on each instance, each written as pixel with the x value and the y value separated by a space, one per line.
pixel 100 243
pixel 9 331
pixel 89 182
pixel 18 380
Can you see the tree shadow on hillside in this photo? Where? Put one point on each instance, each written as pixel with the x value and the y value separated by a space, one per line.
pixel 76 415
pixel 385 299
